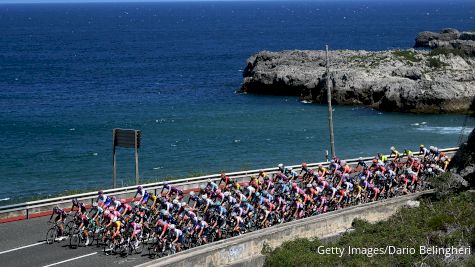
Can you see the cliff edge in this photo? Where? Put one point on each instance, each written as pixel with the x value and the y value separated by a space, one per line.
pixel 437 81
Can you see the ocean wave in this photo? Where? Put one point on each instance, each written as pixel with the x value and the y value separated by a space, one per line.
pixel 4 199
pixel 445 130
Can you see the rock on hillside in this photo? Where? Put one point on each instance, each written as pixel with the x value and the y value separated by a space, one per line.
pixel 462 164
pixel 448 39
pixel 407 80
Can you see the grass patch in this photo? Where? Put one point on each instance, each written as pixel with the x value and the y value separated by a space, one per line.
pixel 407 55
pixel 435 63
pixel 443 223
pixel 447 51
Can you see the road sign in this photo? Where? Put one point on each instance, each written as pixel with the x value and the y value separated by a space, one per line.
pixel 126 138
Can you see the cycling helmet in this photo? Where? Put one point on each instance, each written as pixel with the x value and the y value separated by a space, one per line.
pixel 258 194
pixel 75 201
pixel 172 226
pixel 218 191
pixel 100 192
pixel 304 165
pixel 113 198
pixel 123 201
pixel 311 172
pixel 192 193
pixel 309 185
pixel 175 202
pixel 266 200
pixel 343 162
pixel 111 209
pixel 227 194
pixel 183 204
pixel 56 208
pixel 236 206
pixel 294 185
pixel 114 219
pixel 244 200
pixel 280 165
pixel 204 197
pixel 421 146
pixel 199 218
pixel 209 181
pixel 94 204
pixel 393 148
pixel 233 214
pixel 106 212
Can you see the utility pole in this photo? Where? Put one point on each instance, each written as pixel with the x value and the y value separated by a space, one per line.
pixel 330 111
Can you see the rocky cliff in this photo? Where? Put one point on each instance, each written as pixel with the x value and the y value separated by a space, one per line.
pixel 398 80
pixel 461 42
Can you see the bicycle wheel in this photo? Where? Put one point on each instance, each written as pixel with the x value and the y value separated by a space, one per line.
pixel 74 239
pixel 108 246
pixel 68 228
pixel 139 248
pixel 51 235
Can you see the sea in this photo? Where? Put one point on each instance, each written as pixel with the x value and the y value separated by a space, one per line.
pixel 70 73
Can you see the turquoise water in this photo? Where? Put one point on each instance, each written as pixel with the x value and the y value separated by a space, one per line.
pixel 71 73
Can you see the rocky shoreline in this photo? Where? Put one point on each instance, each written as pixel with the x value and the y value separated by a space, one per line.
pixel 437 81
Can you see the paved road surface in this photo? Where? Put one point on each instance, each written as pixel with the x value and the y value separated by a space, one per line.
pixel 22 244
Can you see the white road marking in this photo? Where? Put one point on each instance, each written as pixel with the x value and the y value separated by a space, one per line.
pixel 72 259
pixel 27 246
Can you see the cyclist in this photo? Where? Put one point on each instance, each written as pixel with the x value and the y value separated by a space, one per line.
pixel 103 200
pixel 136 228
pixel 173 191
pixel 424 152
pixel 81 208
pixel 83 226
pixel 60 216
pixel 394 153
pixel 144 195
pixel 124 208
pixel 177 236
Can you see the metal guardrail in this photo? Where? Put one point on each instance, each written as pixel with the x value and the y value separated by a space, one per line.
pixel 158 185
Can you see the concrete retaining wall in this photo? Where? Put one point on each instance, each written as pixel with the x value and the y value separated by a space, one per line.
pixel 246 249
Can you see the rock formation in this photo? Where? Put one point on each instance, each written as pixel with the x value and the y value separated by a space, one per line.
pixel 397 80
pixel 448 39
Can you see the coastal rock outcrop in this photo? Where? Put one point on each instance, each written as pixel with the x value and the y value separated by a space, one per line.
pixel 448 38
pixel 397 80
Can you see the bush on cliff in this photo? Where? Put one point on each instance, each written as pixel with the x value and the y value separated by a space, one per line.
pixel 444 223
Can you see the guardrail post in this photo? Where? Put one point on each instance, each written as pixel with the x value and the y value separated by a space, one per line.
pixel 27 214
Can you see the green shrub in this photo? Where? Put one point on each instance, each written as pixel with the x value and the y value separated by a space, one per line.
pixel 407 55
pixel 449 221
pixel 447 51
pixel 434 62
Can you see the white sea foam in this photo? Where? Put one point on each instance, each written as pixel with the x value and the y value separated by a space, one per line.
pixel 445 130
pixel 4 199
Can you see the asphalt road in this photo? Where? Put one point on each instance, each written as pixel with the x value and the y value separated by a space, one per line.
pixel 23 244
